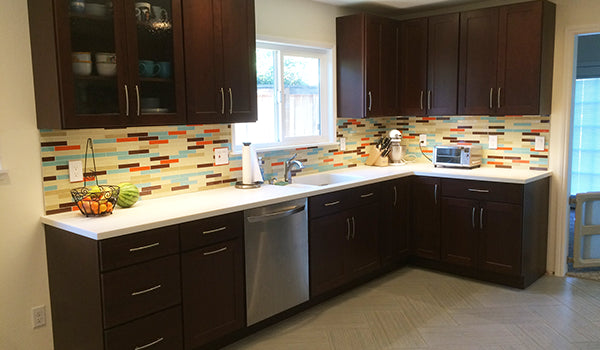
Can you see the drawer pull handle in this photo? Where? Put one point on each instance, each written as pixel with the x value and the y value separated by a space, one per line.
pixel 366 195
pixel 478 190
pixel 332 203
pixel 481 219
pixel 215 251
pixel 149 344
pixel 146 290
pixel 215 230
pixel 144 247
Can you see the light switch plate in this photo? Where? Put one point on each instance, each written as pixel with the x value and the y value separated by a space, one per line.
pixel 493 142
pixel 423 139
pixel 540 143
pixel 221 155
pixel 75 171
pixel 342 143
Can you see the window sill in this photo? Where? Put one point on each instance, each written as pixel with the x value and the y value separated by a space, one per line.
pixel 287 147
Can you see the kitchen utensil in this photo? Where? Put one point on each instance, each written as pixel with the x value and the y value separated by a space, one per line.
pixel 142 11
pixel 106 57
pixel 106 69
pixel 82 68
pixel 164 70
pixel 148 68
pixel 81 56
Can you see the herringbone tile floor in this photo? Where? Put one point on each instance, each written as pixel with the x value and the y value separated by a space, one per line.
pixel 414 308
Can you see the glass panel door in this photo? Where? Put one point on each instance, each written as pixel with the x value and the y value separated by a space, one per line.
pixel 94 57
pixel 155 44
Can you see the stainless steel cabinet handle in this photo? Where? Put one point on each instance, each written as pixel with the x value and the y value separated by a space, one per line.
pixel 473 218
pixel 366 195
pixel 370 101
pixel 144 247
pixel 421 100
pixel 331 203
pixel 435 193
pixel 395 196
pixel 478 190
pixel 491 98
pixel 137 93
pixel 149 344
pixel 348 228
pixel 230 101
pixel 276 215
pixel 146 290
pixel 126 101
pixel 222 101
pixel 428 99
pixel 353 228
pixel 481 218
pixel 499 92
pixel 215 230
pixel 215 251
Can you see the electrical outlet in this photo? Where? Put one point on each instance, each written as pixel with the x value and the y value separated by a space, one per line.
pixel 38 314
pixel 342 143
pixel 493 142
pixel 221 155
pixel 540 143
pixel 75 171
pixel 423 140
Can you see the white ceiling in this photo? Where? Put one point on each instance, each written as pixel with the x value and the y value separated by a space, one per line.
pixel 397 6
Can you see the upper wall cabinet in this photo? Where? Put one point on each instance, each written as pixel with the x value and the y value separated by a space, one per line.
pixel 118 63
pixel 428 65
pixel 506 59
pixel 220 55
pixel 366 66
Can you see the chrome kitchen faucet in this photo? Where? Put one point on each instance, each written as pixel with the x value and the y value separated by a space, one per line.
pixel 289 164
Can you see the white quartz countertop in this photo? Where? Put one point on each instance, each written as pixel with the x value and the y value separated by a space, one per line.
pixel 154 213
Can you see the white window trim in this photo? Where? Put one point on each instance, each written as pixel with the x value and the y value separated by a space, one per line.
pixel 328 119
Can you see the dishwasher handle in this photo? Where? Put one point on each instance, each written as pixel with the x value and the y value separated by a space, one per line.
pixel 276 215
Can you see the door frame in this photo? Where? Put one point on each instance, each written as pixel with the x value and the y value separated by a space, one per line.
pixel 560 148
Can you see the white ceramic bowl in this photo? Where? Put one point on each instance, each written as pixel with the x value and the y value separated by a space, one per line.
pixel 82 68
pixel 95 9
pixel 106 57
pixel 82 56
pixel 150 102
pixel 106 69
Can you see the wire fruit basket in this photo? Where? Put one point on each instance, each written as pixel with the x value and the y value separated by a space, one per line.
pixel 96 200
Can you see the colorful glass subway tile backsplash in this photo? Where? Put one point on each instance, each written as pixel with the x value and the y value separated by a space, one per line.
pixel 170 160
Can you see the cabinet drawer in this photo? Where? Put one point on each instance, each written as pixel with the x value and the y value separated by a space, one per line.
pixel 138 247
pixel 340 200
pixel 161 331
pixel 211 230
pixel 140 290
pixel 364 195
pixel 483 190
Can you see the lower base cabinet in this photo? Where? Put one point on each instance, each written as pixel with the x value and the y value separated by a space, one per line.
pixel 394 217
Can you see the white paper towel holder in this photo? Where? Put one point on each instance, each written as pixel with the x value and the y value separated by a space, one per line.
pixel 242 185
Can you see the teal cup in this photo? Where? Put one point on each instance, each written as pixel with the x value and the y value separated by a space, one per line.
pixel 165 69
pixel 148 68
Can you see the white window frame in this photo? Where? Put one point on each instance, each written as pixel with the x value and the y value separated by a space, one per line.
pixel 325 55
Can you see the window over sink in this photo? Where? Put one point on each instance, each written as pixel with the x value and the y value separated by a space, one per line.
pixel 295 92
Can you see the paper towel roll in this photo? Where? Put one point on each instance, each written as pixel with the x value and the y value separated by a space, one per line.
pixel 246 164
pixel 256 175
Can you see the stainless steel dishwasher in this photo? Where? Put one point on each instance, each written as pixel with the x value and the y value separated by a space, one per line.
pixel 276 247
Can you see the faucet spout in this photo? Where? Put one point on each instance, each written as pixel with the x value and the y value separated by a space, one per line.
pixel 289 165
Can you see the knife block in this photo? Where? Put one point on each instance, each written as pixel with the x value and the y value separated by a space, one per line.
pixel 375 158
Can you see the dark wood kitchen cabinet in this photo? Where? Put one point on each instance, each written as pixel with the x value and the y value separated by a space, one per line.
pixel 343 237
pixel 394 218
pixel 506 59
pixel 428 65
pixel 366 66
pixel 212 265
pixel 87 64
pixel 425 217
pixel 220 56
pixel 116 293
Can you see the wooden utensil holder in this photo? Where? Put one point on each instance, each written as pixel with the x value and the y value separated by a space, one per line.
pixel 375 158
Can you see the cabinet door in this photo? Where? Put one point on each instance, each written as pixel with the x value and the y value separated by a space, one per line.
pixel 239 59
pixel 329 235
pixel 394 219
pixel 460 218
pixel 442 65
pixel 373 66
pixel 389 67
pixel 362 255
pixel 519 61
pixel 213 292
pixel 478 61
pixel 413 67
pixel 425 215
pixel 500 247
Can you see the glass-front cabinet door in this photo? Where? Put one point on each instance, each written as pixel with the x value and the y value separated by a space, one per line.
pixel 120 63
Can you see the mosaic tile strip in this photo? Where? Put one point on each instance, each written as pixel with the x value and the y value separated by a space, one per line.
pixel 170 160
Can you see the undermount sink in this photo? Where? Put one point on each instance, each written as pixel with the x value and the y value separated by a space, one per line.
pixel 323 179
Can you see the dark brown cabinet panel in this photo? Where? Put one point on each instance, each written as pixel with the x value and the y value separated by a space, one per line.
pixel 213 292
pixel 459 234
pixel 394 221
pixel 506 59
pixel 412 72
pixel 363 253
pixel 220 56
pixel 366 66
pixel 425 215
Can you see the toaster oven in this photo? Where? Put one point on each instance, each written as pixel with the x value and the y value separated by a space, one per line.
pixel 457 156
